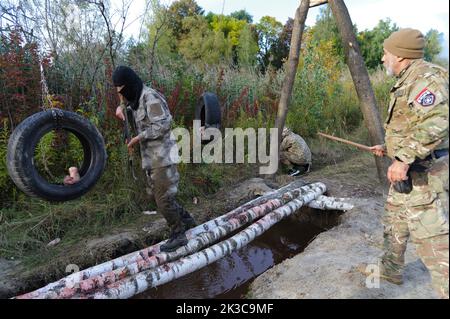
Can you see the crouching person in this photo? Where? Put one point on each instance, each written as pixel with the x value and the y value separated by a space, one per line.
pixel 294 153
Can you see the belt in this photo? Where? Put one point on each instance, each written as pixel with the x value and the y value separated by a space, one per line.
pixel 423 165
pixel 437 154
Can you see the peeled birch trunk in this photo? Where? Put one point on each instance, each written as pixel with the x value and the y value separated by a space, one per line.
pixel 330 203
pixel 138 283
pixel 143 254
pixel 202 240
pixel 219 228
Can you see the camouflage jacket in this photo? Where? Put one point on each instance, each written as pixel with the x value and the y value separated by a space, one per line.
pixel 153 123
pixel 296 147
pixel 417 121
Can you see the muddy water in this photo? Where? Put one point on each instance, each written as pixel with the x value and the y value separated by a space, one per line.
pixel 231 276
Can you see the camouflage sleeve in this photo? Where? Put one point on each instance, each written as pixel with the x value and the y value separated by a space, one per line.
pixel 286 144
pixel 429 124
pixel 158 122
pixel 156 130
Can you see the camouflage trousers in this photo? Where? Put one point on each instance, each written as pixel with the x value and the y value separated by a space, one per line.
pixel 288 162
pixel 290 159
pixel 423 216
pixel 163 187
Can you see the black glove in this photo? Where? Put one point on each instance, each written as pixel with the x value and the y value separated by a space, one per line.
pixel 404 187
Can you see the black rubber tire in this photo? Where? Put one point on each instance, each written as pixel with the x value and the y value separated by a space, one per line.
pixel 25 138
pixel 208 110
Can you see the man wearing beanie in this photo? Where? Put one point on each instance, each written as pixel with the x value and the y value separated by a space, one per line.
pixel 417 143
pixel 152 121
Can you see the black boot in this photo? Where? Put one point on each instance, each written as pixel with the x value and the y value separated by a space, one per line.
pixel 175 241
pixel 293 172
pixel 187 219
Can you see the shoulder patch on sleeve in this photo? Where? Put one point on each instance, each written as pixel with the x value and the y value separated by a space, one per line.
pixel 426 98
pixel 156 109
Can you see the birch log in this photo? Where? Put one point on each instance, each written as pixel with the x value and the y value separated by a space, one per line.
pixel 202 240
pixel 136 284
pixel 330 203
pixel 145 253
pixel 234 220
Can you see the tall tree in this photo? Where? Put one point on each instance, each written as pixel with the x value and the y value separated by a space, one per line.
pixel 180 10
pixel 247 49
pixel 231 28
pixel 83 37
pixel 269 30
pixel 371 42
pixel 159 34
pixel 242 15
pixel 202 44
pixel 280 49
pixel 433 45
pixel 326 30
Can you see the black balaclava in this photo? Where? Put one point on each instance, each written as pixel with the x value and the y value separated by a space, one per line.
pixel 124 75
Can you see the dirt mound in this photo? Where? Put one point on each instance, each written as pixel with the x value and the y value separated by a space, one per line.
pixel 327 268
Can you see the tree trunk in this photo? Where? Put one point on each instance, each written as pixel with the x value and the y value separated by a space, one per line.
pixel 316 3
pixel 361 80
pixel 294 54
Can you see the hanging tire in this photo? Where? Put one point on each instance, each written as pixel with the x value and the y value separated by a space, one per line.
pixel 25 138
pixel 208 110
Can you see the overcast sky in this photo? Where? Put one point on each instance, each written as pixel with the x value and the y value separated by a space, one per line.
pixel 419 14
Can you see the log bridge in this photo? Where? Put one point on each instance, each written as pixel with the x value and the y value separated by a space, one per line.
pixel 134 273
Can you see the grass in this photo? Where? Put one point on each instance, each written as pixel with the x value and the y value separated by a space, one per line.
pixel 27 228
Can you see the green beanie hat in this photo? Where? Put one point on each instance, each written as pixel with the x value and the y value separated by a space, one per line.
pixel 406 43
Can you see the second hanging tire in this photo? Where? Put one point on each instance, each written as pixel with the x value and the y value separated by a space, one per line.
pixel 208 110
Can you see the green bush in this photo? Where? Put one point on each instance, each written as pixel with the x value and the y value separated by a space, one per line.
pixel 6 185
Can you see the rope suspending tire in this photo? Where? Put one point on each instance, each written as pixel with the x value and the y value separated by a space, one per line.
pixel 25 138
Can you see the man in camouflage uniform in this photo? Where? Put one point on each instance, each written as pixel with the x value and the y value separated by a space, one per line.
pixel 158 150
pixel 417 142
pixel 294 153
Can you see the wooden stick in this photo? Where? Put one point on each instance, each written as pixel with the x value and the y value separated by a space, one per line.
pixel 360 146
